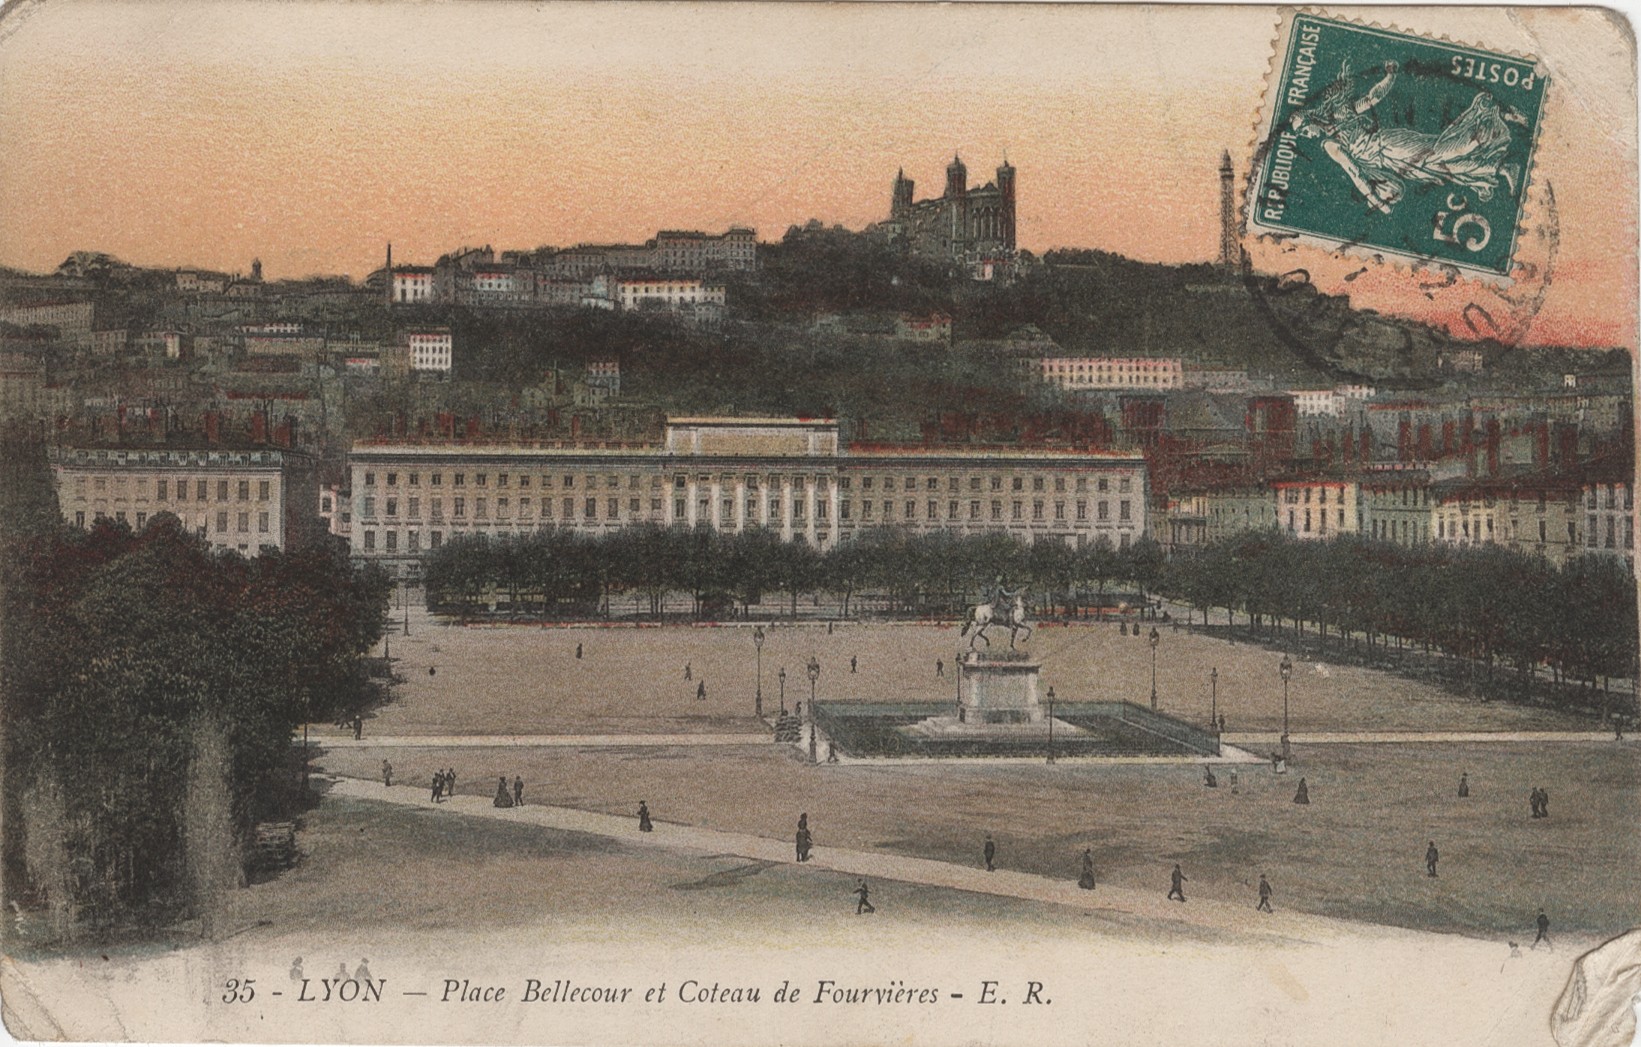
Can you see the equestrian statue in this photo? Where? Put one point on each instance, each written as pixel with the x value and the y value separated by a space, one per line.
pixel 1005 607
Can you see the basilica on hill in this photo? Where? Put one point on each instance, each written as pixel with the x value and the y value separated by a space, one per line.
pixel 971 227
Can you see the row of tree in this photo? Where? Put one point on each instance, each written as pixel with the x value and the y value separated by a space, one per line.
pixel 936 572
pixel 1486 604
pixel 153 685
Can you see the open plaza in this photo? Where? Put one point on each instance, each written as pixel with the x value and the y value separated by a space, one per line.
pixel 593 720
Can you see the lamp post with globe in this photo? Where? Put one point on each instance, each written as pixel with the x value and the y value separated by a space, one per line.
pixel 758 693
pixel 782 676
pixel 1156 638
pixel 1286 669
pixel 813 671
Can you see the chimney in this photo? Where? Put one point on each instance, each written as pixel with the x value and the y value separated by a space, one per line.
pixel 1494 438
pixel 213 427
pixel 259 427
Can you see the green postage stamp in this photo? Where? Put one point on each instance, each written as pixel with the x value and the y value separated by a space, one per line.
pixel 1395 143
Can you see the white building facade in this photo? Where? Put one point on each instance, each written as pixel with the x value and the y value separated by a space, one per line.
pixel 1112 372
pixel 792 477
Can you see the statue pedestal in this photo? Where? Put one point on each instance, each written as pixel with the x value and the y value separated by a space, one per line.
pixel 998 691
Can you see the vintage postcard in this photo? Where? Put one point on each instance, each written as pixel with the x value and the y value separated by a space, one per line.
pixel 818 524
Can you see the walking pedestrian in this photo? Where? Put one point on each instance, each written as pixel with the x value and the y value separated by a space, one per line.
pixel 502 799
pixel 828 628
pixel 1430 856
pixel 518 791
pixel 1264 894
pixel 854 663
pixel 831 753
pixel 1086 880
pixel 687 671
pixel 358 727
pixel 701 691
pixel 578 652
pixel 1543 931
pixel 865 899
pixel 438 785
pixel 991 853
pixel 1618 728
pixel 644 825
pixel 450 781
pixel 939 667
pixel 1222 725
pixel 1208 778
pixel 1544 803
pixel 804 840
pixel 1176 892
pixel 1464 784
pixel 1233 781
pixel 387 774
pixel 1303 795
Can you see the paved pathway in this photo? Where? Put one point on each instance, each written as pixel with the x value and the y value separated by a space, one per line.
pixel 1120 902
pixel 1409 737
pixel 504 741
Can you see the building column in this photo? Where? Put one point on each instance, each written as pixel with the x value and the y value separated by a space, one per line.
pixel 689 504
pixel 834 517
pixel 786 509
pixel 813 485
pixel 715 512
pixel 740 503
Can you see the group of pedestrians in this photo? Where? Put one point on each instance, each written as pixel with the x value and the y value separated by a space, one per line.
pixel 444 783
pixel 504 798
pixel 1539 800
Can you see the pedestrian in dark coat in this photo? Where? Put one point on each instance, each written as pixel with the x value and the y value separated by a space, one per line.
pixel 1464 785
pixel 1264 893
pixel 358 728
pixel 865 899
pixel 1544 803
pixel 450 781
pixel 387 774
pixel 1430 857
pixel 1086 880
pixel 1543 930
pixel 502 799
pixel 438 785
pixel 578 652
pixel 991 853
pixel 644 825
pixel 1304 794
pixel 518 791
pixel 1176 892
pixel 1208 778
pixel 853 663
pixel 701 691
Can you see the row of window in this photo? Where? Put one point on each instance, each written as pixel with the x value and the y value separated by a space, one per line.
pixel 163 488
pixel 753 481
pixel 241 521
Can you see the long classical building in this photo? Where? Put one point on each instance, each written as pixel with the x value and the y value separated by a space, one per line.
pixel 236 498
pixel 792 476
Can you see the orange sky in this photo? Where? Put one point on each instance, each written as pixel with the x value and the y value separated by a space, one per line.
pixel 309 134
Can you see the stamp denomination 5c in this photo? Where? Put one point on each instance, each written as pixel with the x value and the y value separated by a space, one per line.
pixel 1396 143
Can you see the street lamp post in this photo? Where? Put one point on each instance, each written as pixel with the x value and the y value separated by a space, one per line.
pixel 1286 668
pixel 1156 637
pixel 1051 725
pixel 1213 699
pixel 813 671
pixel 758 694
pixel 782 675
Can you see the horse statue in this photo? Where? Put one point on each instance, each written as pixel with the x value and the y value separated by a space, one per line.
pixel 987 614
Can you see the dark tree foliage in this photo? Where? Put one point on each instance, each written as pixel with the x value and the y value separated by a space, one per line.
pixel 126 647
pixel 938 572
pixel 1484 604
